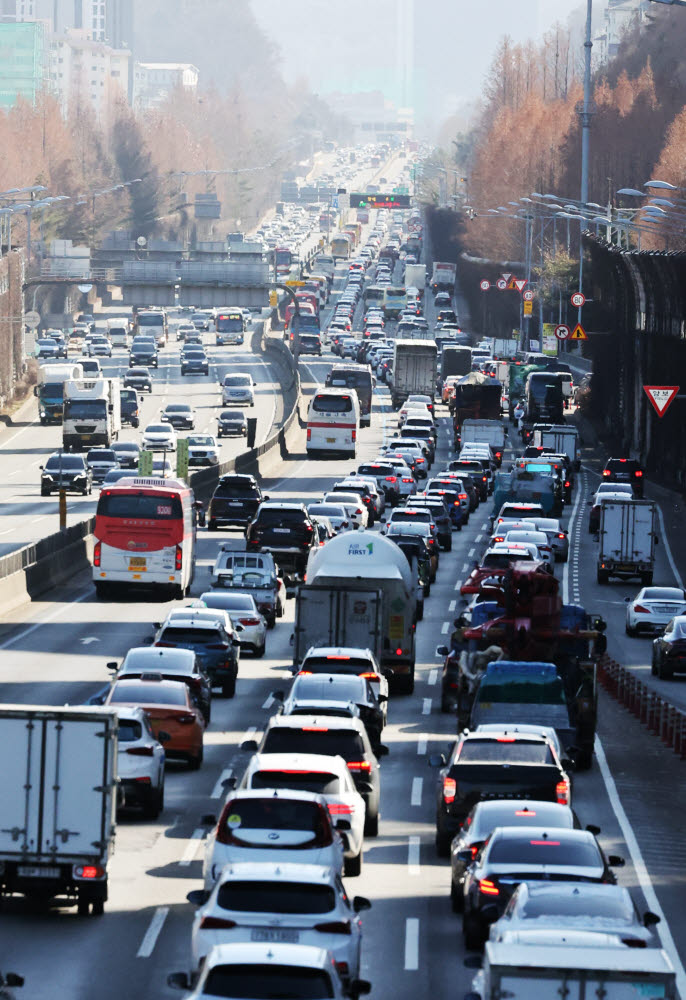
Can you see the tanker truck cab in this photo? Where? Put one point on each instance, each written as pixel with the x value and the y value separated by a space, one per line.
pixel 356 561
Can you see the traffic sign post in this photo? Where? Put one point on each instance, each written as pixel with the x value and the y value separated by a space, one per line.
pixel 484 285
pixel 562 332
pixel 501 284
pixel 578 299
pixel 661 396
pixel 32 319
pixel 528 295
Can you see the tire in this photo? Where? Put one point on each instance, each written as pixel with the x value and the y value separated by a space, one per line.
pixel 647 579
pixel 83 907
pixel 584 759
pixel 194 763
pixel 371 826
pixel 44 493
pixel 259 651
pixel 631 632
pixel 229 688
pixel 420 610
pixel 472 933
pixel 98 907
pixel 456 898
pixel 446 705
pixel 153 807
pixel 603 576
pixel 442 841
pixel 85 492
pixel 353 866
pixel 663 674
pixel 101 589
pixel 212 526
pixel 449 546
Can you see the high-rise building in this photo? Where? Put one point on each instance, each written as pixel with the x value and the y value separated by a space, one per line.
pixel 22 62
pixel 619 17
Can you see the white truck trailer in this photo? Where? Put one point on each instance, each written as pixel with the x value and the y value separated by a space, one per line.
pixel 92 413
pixel 58 789
pixel 414 369
pixel 362 564
pixel 628 534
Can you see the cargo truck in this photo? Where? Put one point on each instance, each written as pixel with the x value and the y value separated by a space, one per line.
pixel 361 565
pixel 152 322
pixel 563 439
pixel 490 432
pixel 443 277
pixel 628 534
pixel 50 390
pixel 414 369
pixel 455 360
pixel 58 788
pixel 577 971
pixel 92 413
pixel 415 276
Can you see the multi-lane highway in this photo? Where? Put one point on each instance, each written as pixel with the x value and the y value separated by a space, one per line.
pixel 56 651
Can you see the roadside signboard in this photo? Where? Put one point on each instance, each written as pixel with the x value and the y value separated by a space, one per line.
pixel 182 458
pixel 145 463
pixel 661 396
pixel 528 307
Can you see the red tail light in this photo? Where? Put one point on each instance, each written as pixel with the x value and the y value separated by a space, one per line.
pixel 178 557
pixel 567 484
pixel 141 751
pixel 462 496
pixel 334 927
pixel 249 621
pixel 560 535
pixel 642 610
pixel 606 472
pixel 216 924
pixel 217 645
pixel 359 765
pixel 488 888
pixel 638 473
pixel 449 790
pixel 562 793
pixel 97 553
pixel 354 434
pixel 88 871
pixel 309 433
pixel 340 809
pixel 391 479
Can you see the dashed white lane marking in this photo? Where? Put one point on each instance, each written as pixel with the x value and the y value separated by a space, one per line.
pixel 444 628
pixel 411 944
pixel 413 855
pixel 471 552
pixel 153 932
pixel 416 793
pixel 426 706
pixel 269 702
pixel 478 537
pixel 421 746
pixel 433 675
pixel 452 605
pixel 191 847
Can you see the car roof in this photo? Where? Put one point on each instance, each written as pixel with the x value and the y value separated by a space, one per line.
pixel 333 763
pixel 542 832
pixel 319 721
pixel 281 871
pixel 340 652
pixel 253 953
pixel 159 657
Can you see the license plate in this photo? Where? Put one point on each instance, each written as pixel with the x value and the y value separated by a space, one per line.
pixel 274 935
pixel 137 562
pixel 237 503
pixel 281 531
pixel 35 871
pixel 331 440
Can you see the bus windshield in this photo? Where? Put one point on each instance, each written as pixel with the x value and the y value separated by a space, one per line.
pixel 229 323
pixel 155 507
pixel 150 319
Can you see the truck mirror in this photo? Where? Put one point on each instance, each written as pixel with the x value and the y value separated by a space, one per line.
pixel 35 390
pixel 112 665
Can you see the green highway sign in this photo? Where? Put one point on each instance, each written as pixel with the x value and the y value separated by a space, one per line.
pixel 145 463
pixel 182 458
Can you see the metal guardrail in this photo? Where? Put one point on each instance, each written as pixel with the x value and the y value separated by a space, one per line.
pixel 661 717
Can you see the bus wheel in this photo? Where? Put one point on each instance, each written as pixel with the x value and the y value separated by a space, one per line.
pixel 101 589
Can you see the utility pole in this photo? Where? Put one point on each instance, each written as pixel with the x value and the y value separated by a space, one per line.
pixel 586 115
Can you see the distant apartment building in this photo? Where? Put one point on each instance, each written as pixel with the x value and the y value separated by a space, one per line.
pixel 23 63
pixel 154 82
pixel 86 71
pixel 619 16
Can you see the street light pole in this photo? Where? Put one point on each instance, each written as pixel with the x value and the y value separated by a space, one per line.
pixel 585 131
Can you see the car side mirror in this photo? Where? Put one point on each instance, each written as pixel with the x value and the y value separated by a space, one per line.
pixel 382 750
pixel 442 651
pixel 41 467
pixel 387 673
pixel 163 737
pixel 249 746
pixel 112 665
pixel 197 897
pixel 209 819
pixel 230 784
pixel 567 763
pixel 616 861
pixel 627 600
pixel 650 919
pixel 361 903
pixel 12 979
pixel 465 856
pixel 592 828
pixel 437 760
pixel 178 981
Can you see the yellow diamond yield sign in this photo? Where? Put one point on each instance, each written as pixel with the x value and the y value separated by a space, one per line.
pixel 578 333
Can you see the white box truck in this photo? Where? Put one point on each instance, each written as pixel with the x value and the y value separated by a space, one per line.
pixel 117 331
pixel 563 439
pixel 335 616
pixel 362 562
pixel 92 413
pixel 414 369
pixel 627 533
pixel 491 432
pixel 415 277
pixel 50 390
pixel 443 277
pixel 58 789
pixel 549 972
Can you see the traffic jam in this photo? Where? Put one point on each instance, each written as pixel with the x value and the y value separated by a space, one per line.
pixel 395 604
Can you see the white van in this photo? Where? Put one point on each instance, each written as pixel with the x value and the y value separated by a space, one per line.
pixel 117 332
pixel 333 422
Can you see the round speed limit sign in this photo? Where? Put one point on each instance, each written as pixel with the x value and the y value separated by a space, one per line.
pixel 501 284
pixel 528 295
pixel 578 299
pixel 484 285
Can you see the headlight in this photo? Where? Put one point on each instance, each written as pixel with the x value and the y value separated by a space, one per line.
pixel 43 413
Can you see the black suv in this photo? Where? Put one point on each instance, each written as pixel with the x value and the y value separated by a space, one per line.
pixel 235 502
pixel 625 470
pixel 66 472
pixel 284 529
pixel 143 353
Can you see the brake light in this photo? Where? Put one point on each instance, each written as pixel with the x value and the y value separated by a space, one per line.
pixel 334 927
pixel 499 538
pixel 369 676
pixel 354 434
pixel 391 479
pixel 141 751
pixel 216 645
pixel 562 793
pixel 488 888
pixel 638 473
pixel 309 433
pixel 449 790
pixel 359 765
pixel 506 739
pixel 641 609
pixel 560 535
pixel 498 454
pixel 249 621
pixel 622 460
pixel 339 808
pixel 178 557
pixel 97 553
pixel 315 729
pixel 545 843
pixel 88 871
pixel 216 924
pixel 525 812
pixel 606 472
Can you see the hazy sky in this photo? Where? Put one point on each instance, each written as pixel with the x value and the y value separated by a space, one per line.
pixel 351 46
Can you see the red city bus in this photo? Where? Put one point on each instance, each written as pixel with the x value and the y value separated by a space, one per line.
pixel 145 532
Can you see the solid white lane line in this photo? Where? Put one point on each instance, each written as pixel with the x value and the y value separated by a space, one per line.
pixel 444 628
pixel 411 944
pixel 433 675
pixel 218 789
pixel 54 614
pixel 426 706
pixel 668 551
pixel 153 932
pixel 662 929
pixel 570 534
pixel 191 847
pixel 416 793
pixel 421 746
pixel 413 855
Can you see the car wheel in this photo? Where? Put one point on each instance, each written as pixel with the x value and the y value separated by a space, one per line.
pixel 229 688
pixel 664 673
pixel 260 651
pixel 44 492
pixel 449 546
pixel 353 866
pixel 420 610
pixel 194 763
pixel 603 576
pixel 447 705
pixel 629 630
pixel 212 526
pixel 442 841
pixel 472 933
pixel 153 806
pixel 371 825
pixel 456 897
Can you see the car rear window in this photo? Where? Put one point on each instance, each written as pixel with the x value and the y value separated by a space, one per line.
pixel 331 403
pixel 129 731
pixel 147 694
pixel 347 743
pixel 544 850
pixel 622 465
pixel 276 897
pixel 321 782
pixel 498 560
pixel 191 636
pixel 260 982
pixel 412 514
pixel 581 904
pixel 237 491
pixel 280 515
pixel 336 665
pixel 274 813
pixel 496 752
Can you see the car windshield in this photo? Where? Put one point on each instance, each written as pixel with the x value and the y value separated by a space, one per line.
pixel 544 850
pixel 521 691
pixel 201 440
pixel 321 782
pixel 262 982
pixel 148 694
pixel 582 904
pixel 68 463
pixel 507 751
pixel 275 813
pixel 157 429
pixel 315 739
pixel 275 897
pixel 177 408
pixel 242 380
pixel 126 446
pixel 506 814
